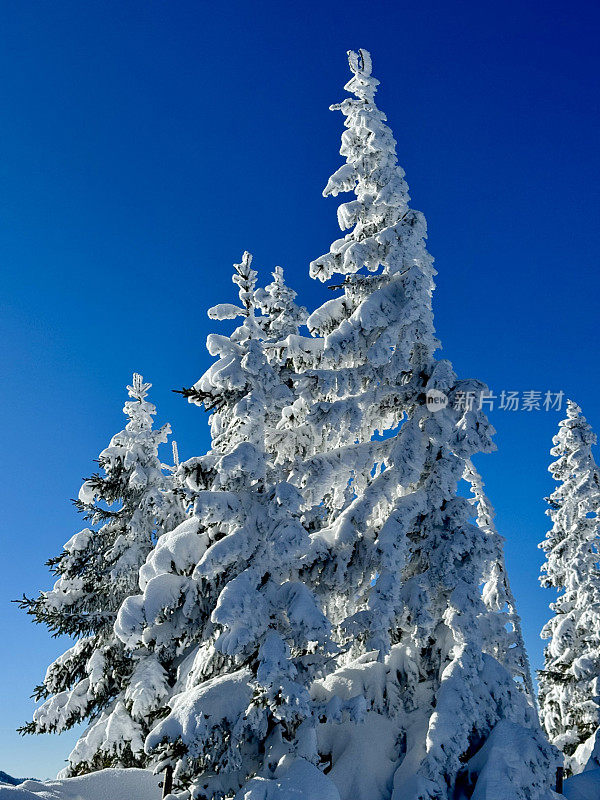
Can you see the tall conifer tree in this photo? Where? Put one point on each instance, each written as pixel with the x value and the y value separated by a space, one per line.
pixel 507 643
pixel 569 682
pixel 395 555
pixel 129 504
pixel 221 590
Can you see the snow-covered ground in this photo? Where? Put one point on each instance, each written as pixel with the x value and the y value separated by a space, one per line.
pixel 6 778
pixel 302 781
pixel 108 784
pixel 140 784
pixel 585 786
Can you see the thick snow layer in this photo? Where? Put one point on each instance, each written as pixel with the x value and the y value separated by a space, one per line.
pixel 108 784
pixel 364 756
pixel 196 712
pixel 504 765
pixel 301 781
pixel 587 755
pixel 583 787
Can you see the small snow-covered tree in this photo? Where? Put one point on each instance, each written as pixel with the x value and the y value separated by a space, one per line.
pixel 569 683
pixel 129 504
pixel 395 555
pixel 506 641
pixel 220 592
pixel 282 317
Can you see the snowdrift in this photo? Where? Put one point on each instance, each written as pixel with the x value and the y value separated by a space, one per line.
pixel 585 786
pixel 108 784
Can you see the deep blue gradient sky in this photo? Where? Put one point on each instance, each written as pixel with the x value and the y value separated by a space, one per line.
pixel 145 144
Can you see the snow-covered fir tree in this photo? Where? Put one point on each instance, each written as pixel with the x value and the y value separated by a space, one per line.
pixel 129 503
pixel 282 317
pixel 221 597
pixel 395 555
pixel 569 683
pixel 507 642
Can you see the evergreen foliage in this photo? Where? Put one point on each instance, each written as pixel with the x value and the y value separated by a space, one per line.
pixel 129 503
pixel 569 683
pixel 221 593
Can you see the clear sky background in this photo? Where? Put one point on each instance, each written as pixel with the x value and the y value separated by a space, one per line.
pixel 145 144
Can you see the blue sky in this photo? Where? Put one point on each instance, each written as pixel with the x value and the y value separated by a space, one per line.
pixel 144 145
